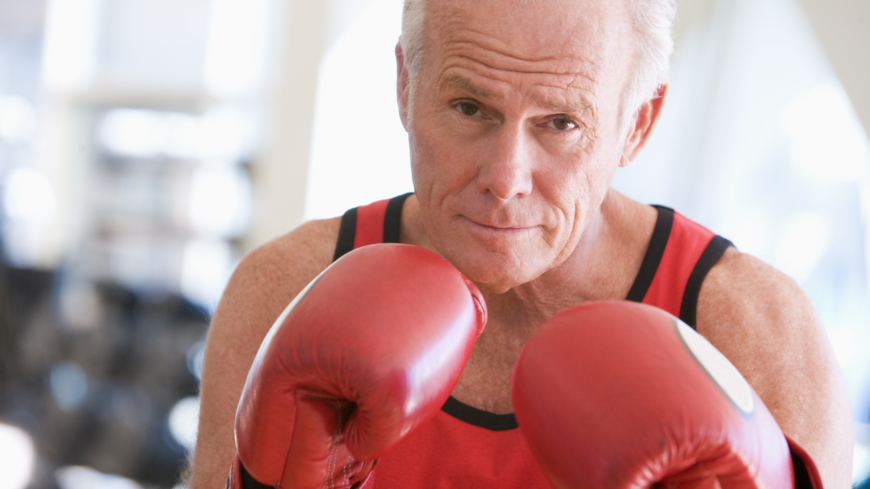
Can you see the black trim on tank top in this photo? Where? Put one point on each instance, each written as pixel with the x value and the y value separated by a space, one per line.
pixel 346 234
pixel 714 250
pixel 654 252
pixel 248 481
pixel 393 218
pixel 478 417
pixel 801 473
pixel 392 222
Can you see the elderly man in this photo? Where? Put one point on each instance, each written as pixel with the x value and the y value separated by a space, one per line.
pixel 519 112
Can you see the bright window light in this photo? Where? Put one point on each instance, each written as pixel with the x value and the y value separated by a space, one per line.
pixel 195 357
pixel 183 137
pixel 17 119
pixel 25 243
pixel 206 268
pixel 803 241
pixel 828 142
pixel 220 200
pixel 750 230
pixel 237 36
pixel 228 133
pixel 76 477
pixel 29 196
pixel 861 459
pixel 16 457
pixel 184 420
pixel 847 344
pixel 133 132
pixel 221 133
pixel 71 31
pixel 359 150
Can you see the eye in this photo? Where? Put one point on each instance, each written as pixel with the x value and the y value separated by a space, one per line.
pixel 562 124
pixel 469 109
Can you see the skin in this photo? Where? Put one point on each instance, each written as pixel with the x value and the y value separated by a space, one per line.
pixel 514 135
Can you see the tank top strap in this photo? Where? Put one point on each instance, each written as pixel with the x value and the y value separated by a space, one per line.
pixel 680 254
pixel 378 222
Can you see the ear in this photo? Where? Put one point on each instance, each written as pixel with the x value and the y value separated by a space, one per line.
pixel 402 85
pixel 644 121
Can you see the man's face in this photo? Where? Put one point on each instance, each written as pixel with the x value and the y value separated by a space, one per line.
pixel 514 129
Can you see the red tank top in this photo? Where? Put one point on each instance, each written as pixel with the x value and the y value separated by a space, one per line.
pixel 463 446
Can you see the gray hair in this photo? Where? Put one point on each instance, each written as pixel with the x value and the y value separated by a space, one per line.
pixel 653 20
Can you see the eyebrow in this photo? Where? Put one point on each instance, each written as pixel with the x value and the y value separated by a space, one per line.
pixel 578 107
pixel 462 83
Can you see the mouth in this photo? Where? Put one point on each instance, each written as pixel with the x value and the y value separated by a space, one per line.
pixel 496 227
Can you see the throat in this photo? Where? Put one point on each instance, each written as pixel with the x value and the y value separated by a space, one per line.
pixel 486 380
pixel 485 391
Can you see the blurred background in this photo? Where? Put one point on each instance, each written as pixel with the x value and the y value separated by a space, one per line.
pixel 146 145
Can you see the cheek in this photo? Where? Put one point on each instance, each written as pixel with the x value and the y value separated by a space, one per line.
pixel 575 189
pixel 568 180
pixel 424 169
pixel 439 164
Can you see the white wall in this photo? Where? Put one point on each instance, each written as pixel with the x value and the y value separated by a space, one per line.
pixel 843 28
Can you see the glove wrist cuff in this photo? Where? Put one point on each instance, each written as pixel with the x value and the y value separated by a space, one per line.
pixel 241 479
pixel 806 474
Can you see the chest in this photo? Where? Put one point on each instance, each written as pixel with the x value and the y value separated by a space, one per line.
pixel 485 381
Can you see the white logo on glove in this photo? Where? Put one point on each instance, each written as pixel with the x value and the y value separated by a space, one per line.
pixel 718 367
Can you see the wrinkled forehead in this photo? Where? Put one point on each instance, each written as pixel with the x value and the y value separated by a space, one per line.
pixel 568 35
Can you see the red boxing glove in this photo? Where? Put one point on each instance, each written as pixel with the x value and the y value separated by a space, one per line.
pixel 619 395
pixel 366 352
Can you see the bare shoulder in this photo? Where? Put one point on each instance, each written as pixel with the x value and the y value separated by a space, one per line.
pixel 286 264
pixel 746 304
pixel 265 281
pixel 764 323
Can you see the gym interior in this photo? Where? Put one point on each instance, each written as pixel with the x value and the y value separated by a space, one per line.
pixel 147 145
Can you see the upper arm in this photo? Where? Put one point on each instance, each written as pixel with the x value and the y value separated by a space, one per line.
pixel 262 285
pixel 761 321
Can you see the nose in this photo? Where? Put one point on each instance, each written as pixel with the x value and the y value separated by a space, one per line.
pixel 506 169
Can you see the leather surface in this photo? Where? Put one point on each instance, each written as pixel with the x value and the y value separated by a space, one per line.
pixel 368 351
pixel 611 395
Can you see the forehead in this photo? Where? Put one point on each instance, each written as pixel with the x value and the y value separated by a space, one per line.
pixel 572 42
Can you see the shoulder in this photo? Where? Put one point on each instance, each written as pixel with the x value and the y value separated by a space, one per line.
pixel 265 281
pixel 310 246
pixel 272 274
pixel 761 320
pixel 742 285
pixel 747 305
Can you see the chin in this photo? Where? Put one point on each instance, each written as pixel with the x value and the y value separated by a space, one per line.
pixel 496 272
pixel 496 260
